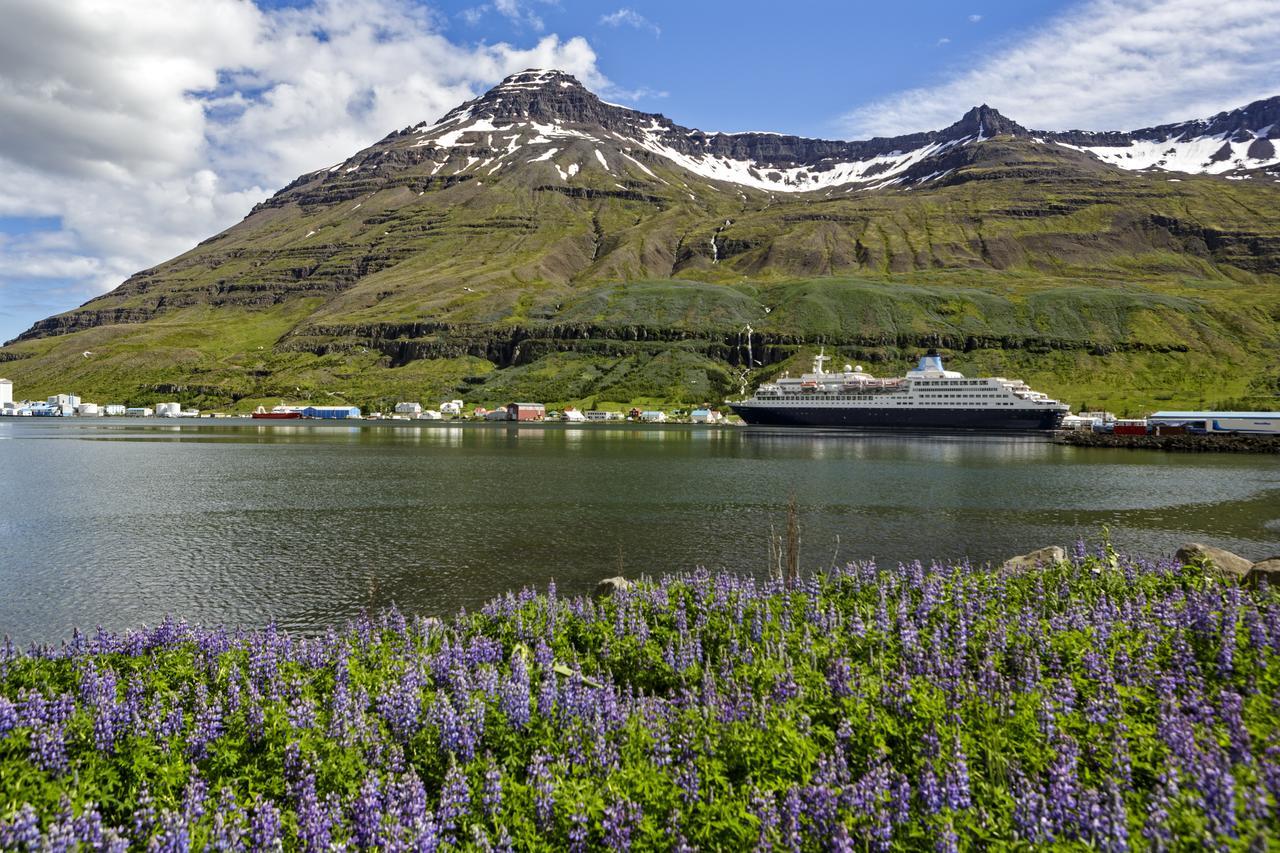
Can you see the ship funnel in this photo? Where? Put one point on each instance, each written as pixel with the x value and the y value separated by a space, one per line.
pixel 930 362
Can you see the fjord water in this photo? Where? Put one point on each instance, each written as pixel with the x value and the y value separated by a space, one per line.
pixel 120 523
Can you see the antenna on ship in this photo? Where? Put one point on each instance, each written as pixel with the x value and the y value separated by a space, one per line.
pixel 820 359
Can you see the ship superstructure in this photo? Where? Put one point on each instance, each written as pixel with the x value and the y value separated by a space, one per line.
pixel 927 397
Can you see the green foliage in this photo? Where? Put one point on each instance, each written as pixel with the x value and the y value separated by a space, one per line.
pixel 700 700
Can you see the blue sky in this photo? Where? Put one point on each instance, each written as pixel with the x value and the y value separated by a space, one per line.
pixel 796 68
pixel 131 130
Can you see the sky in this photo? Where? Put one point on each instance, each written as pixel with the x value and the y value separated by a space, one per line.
pixel 132 129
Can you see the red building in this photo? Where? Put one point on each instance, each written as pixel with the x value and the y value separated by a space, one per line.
pixel 526 411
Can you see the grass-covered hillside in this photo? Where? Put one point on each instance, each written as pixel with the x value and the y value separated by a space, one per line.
pixel 1098 704
pixel 636 280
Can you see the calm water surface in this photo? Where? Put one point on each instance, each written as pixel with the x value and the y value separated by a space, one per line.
pixel 119 523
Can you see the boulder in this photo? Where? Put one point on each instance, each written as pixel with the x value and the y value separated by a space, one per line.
pixel 1264 572
pixel 1046 556
pixel 1195 554
pixel 609 586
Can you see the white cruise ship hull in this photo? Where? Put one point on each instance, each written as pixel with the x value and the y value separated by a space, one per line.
pixel 897 417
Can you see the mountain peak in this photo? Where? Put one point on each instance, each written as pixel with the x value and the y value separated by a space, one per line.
pixel 538 78
pixel 536 94
pixel 983 122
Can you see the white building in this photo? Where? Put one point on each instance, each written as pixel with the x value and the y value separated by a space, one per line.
pixel 1257 423
pixel 138 412
pixel 88 410
pixel 601 415
pixel 451 407
pixel 408 408
pixel 430 415
pixel 6 392
pixel 654 417
pixel 64 401
pixel 574 416
pixel 113 410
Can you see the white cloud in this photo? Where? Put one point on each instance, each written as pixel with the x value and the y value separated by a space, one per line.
pixel 973 19
pixel 625 17
pixel 144 128
pixel 943 40
pixel 517 12
pixel 1109 65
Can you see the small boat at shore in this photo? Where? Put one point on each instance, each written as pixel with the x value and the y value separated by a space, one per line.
pixel 277 413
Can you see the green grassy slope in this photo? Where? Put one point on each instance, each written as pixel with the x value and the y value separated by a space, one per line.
pixel 1103 287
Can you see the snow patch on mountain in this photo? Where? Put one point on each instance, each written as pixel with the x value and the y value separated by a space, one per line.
pixel 1213 155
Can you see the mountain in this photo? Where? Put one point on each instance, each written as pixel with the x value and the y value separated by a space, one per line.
pixel 539 242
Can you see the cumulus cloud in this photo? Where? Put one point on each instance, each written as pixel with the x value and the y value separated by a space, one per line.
pixel 140 129
pixel 973 19
pixel 625 17
pixel 1109 65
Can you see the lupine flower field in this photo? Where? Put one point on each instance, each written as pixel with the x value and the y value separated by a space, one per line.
pixel 1104 703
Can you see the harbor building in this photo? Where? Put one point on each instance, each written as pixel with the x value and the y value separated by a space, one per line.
pixel 1257 423
pixel 6 393
pixel 331 412
pixel 526 412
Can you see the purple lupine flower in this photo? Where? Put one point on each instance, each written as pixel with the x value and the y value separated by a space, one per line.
pixel 455 801
pixel 839 676
pixel 144 814
pixel 23 831
pixel 1063 794
pixel 620 819
pixel 456 732
pixel 399 704
pixel 367 819
pixel 947 841
pixel 956 782
pixel 1030 810
pixel 1231 712
pixel 228 823
pixel 543 800
pixel 515 693
pixel 492 794
pixel 578 829
pixel 173 834
pixel 89 829
pixel 930 790
pixel 8 716
pixel 315 825
pixel 48 747
pixel 264 829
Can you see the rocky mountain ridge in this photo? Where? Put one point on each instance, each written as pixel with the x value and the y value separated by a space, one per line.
pixel 556 104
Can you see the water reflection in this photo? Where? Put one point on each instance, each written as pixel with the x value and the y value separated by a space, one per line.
pixel 307 523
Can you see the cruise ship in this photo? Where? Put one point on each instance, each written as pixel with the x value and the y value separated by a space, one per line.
pixel 928 397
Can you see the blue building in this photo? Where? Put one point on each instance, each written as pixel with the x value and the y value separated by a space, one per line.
pixel 331 412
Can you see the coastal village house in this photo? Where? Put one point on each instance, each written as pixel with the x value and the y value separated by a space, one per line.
pixel 526 411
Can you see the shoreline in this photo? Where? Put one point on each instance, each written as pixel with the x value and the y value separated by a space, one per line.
pixel 1224 443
